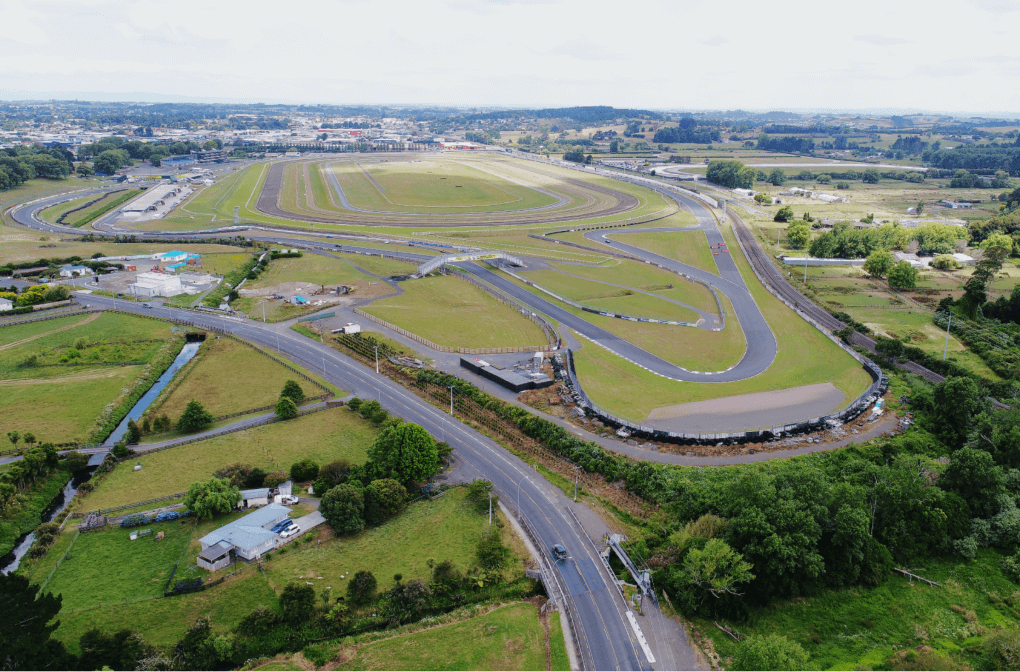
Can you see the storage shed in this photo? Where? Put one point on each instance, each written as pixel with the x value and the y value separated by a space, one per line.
pixel 254 497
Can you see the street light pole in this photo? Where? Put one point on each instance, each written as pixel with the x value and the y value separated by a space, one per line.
pixel 945 348
pixel 451 399
pixel 377 359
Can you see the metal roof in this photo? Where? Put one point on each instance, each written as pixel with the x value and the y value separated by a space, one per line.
pixel 248 532
pixel 215 552
pixel 254 493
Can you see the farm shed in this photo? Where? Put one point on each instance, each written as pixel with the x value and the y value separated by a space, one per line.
pixel 254 497
pixel 248 537
pixel 215 557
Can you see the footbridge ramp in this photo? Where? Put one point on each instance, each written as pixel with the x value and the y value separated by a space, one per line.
pixel 436 262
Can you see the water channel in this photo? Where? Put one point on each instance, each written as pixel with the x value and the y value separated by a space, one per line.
pixel 12 560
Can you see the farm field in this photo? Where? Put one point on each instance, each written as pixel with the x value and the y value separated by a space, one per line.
pixel 508 638
pixel 444 529
pixel 323 436
pixel 687 247
pixel 211 378
pixel 858 628
pixel 449 311
pixel 79 366
pixel 805 357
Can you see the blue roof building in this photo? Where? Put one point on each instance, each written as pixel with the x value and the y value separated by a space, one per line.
pixel 248 538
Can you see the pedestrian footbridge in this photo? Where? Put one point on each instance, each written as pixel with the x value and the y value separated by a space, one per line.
pixel 436 262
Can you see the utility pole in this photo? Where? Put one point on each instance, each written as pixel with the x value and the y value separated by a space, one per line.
pixel 323 368
pixel 377 359
pixel 277 343
pixel 805 270
pixel 263 312
pixel 577 475
pixel 490 507
pixel 945 348
pixel 451 399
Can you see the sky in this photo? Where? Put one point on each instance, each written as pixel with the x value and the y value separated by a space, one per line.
pixel 901 55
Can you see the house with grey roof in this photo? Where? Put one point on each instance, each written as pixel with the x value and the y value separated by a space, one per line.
pixel 254 497
pixel 248 538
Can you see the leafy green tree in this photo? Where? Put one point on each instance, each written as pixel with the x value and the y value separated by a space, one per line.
pixel 879 263
pixel 997 246
pixel 84 170
pixel 769 652
pixel 293 391
pixel 945 262
pixel 210 497
pixel 133 434
pixel 14 436
pixel 383 498
pixel 286 409
pixel 361 589
pixel 406 601
pixel 717 569
pixel 784 214
pixel 492 552
pixel 343 507
pixel 25 630
pixel 955 402
pixel 194 418
pixel 297 602
pixel 406 453
pixel 777 177
pixel 798 234
pixel 903 276
pixel 974 475
pixel 731 174
pixel 304 470
pixel 870 176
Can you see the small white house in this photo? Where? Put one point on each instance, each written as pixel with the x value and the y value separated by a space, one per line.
pixel 6 304
pixel 72 271
pixel 249 537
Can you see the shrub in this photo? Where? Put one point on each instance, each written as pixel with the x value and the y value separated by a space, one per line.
pixel 194 418
pixel 354 404
pixel 784 214
pixel 771 652
pixel 1002 650
pixel 237 473
pixel 286 409
pixel 120 451
pixel 945 262
pixel 343 507
pixel 293 391
pixel 273 480
pixel 297 601
pixel 492 553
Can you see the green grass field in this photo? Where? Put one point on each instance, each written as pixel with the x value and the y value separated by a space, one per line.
pixel 211 378
pixel 449 311
pixel 687 247
pixel 324 436
pixel 96 210
pixel 805 356
pixel 52 213
pixel 648 278
pixel 862 628
pixel 508 638
pixel 381 266
pixel 311 268
pixel 60 397
pixel 446 528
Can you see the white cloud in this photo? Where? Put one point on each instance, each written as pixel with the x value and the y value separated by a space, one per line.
pixel 510 52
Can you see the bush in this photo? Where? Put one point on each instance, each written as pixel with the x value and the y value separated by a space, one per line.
pixel 1002 650
pixel 297 602
pixel 784 214
pixel 304 471
pixel 237 473
pixel 772 652
pixel 194 418
pixel 354 404
pixel 293 391
pixel 286 409
pixel 274 479
pixel 492 553
pixel 120 451
pixel 343 507
pixel 945 262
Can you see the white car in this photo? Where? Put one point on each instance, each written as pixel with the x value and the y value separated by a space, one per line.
pixel 290 532
pixel 288 499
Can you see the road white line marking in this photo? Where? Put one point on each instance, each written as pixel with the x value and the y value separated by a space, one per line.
pixel 640 637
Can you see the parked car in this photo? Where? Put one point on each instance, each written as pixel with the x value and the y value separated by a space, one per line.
pixel 146 305
pixel 281 525
pixel 290 531
pixel 288 499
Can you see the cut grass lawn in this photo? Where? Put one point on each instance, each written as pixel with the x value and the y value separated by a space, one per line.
pixel 381 266
pixel 862 628
pixel 805 356
pixel 449 311
pixel 687 247
pixel 323 437
pixel 508 638
pixel 112 200
pixel 53 213
pixel 211 378
pixel 447 528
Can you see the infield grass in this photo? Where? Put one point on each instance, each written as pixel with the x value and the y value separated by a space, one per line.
pixel 449 311
pixel 649 278
pixel 687 247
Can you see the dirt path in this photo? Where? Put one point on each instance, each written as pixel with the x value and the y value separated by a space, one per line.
pixel 47 333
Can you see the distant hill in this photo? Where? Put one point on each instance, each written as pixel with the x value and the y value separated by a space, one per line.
pixel 594 114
